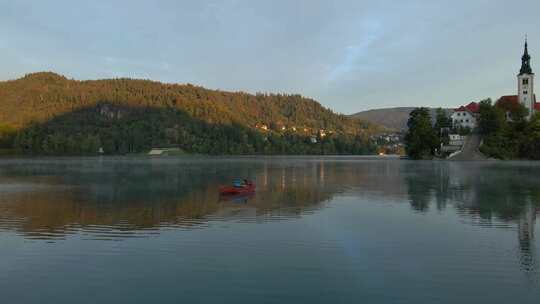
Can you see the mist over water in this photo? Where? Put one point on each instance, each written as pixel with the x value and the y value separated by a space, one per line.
pixel 317 230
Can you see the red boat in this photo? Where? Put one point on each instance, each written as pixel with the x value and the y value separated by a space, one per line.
pixel 238 187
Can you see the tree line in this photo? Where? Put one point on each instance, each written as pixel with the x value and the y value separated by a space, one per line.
pixel 113 129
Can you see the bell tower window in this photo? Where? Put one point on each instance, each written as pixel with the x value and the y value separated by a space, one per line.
pixel 526 81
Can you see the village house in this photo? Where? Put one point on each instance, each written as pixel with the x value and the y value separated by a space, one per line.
pixel 466 116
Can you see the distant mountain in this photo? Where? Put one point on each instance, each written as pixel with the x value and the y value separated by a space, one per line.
pixel 52 113
pixel 391 118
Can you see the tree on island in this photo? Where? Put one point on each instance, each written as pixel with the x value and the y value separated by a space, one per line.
pixel 421 141
pixel 531 145
pixel 492 119
pixel 443 124
pixel 506 132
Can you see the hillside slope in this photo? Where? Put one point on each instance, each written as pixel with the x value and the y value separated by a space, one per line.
pixel 41 96
pixel 45 113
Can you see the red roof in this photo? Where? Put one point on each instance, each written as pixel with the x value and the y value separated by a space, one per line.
pixel 508 99
pixel 512 100
pixel 472 107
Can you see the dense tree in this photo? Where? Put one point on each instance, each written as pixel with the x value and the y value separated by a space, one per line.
pixel 421 140
pixel 531 142
pixel 442 119
pixel 492 119
pixel 506 132
pixel 443 123
pixel 495 129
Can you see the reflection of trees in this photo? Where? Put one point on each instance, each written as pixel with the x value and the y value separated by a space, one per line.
pixel 424 182
pixel 123 199
pixel 419 192
pixel 486 192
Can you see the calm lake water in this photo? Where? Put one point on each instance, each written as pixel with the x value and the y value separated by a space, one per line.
pixel 318 230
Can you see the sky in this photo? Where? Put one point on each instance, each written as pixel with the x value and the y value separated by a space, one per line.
pixel 350 55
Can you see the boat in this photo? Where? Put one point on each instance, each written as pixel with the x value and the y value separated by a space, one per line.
pixel 238 187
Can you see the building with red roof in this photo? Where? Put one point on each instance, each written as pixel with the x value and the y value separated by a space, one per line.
pixel 466 116
pixel 510 101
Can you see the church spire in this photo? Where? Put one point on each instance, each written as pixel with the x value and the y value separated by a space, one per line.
pixel 525 61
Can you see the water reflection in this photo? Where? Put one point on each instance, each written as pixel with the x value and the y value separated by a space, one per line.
pixel 120 199
pixel 503 195
pixel 434 231
pixel 123 198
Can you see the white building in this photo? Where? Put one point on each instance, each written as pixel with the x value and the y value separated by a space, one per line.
pixel 466 116
pixel 456 140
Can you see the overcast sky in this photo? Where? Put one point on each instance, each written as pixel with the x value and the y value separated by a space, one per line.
pixel 350 55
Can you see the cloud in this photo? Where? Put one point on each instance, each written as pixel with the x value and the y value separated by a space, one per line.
pixel 357 56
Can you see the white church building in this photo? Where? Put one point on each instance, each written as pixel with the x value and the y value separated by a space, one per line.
pixel 467 116
pixel 525 95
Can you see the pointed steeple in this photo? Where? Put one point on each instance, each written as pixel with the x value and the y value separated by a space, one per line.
pixel 525 61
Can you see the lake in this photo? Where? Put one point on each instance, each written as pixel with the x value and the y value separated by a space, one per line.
pixel 317 230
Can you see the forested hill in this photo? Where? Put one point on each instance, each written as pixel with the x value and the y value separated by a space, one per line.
pixel 45 113
pixel 42 96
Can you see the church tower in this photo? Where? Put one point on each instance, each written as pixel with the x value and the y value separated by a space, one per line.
pixel 526 82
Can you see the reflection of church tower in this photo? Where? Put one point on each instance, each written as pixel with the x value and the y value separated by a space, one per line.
pixel 526 225
pixel 526 82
